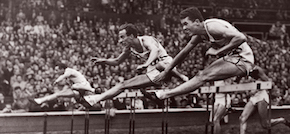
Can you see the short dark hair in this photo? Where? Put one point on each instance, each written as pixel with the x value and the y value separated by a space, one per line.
pixel 130 29
pixel 62 65
pixel 192 13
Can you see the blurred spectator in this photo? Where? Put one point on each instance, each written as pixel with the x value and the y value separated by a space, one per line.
pixel 119 103
pixel 238 14
pixel 279 15
pixel 7 109
pixel 251 14
pixel 130 103
pixel 184 103
pixel 239 100
pixel 286 97
pixel 20 100
pixel 277 31
pixel 52 18
pixel 18 83
pixel 2 101
pixel 39 17
pixel 276 96
pixel 8 72
pixel 20 16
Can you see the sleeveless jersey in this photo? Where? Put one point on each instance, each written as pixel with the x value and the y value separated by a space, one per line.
pixel 74 75
pixel 243 50
pixel 161 53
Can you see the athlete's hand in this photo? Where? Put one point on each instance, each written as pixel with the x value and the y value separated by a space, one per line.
pixel 54 83
pixel 160 77
pixel 211 51
pixel 96 60
pixel 141 67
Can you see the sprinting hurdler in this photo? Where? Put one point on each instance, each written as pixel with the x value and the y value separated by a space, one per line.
pixel 146 47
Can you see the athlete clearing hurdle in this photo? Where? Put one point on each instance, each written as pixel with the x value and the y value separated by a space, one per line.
pixel 143 47
pixel 226 41
pixel 79 82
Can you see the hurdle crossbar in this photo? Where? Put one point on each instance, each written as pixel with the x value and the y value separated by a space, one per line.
pixel 131 94
pixel 234 87
pixel 211 89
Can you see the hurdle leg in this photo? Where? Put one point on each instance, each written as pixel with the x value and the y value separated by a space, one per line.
pixel 207 111
pixel 130 117
pixel 107 120
pixel 106 129
pixel 72 122
pixel 86 122
pixel 107 117
pixel 45 124
pixel 212 111
pixel 166 118
pixel 134 112
pixel 269 112
pixel 162 122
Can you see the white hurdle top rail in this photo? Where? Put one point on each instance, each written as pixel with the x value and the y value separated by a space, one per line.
pixel 258 85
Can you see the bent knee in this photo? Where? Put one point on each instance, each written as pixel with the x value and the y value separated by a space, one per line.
pixel 216 120
pixel 242 119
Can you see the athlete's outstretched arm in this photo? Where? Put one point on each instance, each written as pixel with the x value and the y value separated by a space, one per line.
pixel 179 57
pixel 113 61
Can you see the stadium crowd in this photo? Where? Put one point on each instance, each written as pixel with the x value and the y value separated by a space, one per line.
pixel 32 44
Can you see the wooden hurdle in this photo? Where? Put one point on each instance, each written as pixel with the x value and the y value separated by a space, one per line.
pixel 258 85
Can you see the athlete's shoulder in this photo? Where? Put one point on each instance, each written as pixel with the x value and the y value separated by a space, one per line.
pixel 216 23
pixel 212 20
pixel 70 70
pixel 145 37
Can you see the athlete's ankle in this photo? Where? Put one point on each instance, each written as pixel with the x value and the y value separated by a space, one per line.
pixel 38 100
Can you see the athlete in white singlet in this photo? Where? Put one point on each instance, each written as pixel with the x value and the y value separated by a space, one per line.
pixel 146 47
pixel 75 77
pixel 236 57
pixel 259 101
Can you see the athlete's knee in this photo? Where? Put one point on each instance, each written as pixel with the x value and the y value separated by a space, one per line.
pixel 216 120
pixel 242 119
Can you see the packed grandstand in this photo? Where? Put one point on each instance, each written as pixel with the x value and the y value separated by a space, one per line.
pixel 37 35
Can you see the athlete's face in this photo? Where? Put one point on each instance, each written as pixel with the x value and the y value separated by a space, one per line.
pixel 123 37
pixel 189 26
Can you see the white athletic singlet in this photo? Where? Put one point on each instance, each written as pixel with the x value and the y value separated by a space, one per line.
pixel 161 53
pixel 74 75
pixel 163 57
pixel 243 50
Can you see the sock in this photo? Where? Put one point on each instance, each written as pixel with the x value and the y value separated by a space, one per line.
pixel 38 100
pixel 91 99
pixel 158 94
